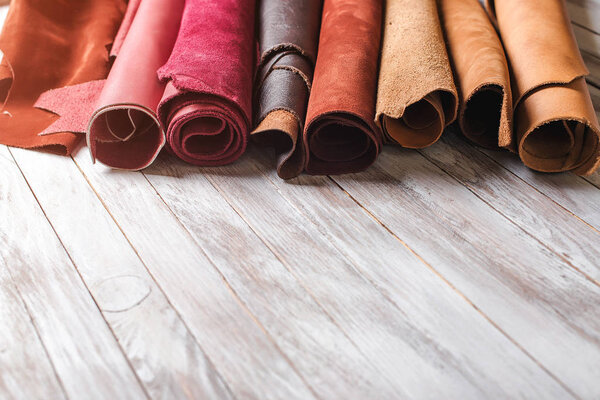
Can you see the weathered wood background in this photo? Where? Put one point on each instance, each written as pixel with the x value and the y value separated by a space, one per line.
pixel 450 272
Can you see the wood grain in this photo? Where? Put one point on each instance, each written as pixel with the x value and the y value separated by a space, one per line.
pixel 396 343
pixel 137 311
pixel 23 359
pixel 79 344
pixel 246 357
pixel 504 272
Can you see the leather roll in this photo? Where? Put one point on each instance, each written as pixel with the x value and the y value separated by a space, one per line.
pixel 48 45
pixel 207 106
pixel 340 135
pixel 481 72
pixel 288 36
pixel 417 97
pixel 124 131
pixel 555 123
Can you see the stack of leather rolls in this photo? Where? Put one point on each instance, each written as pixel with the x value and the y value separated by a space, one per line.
pixel 326 83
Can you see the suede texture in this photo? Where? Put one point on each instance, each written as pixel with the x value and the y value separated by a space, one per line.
pixel 340 135
pixel 207 106
pixel 416 96
pixel 50 44
pixel 556 128
pixel 482 74
pixel 288 39
pixel 124 131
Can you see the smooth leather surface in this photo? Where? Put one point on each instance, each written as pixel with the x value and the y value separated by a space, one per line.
pixel 124 131
pixel 481 71
pixel 288 40
pixel 416 96
pixel 555 123
pixel 340 135
pixel 49 44
pixel 207 106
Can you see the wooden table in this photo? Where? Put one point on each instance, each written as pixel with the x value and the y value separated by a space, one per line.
pixel 450 272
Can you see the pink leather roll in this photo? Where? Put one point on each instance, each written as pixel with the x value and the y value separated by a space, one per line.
pixel 207 105
pixel 124 131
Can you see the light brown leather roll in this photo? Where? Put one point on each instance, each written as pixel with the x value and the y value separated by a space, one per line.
pixel 555 123
pixel 481 72
pixel 416 97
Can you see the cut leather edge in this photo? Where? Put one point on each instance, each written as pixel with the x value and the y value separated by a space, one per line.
pixel 125 106
pixel 283 123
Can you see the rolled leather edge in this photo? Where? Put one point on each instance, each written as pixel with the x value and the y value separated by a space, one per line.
pixel 340 135
pixel 124 131
pixel 416 98
pixel 481 71
pixel 288 40
pixel 203 129
pixel 556 128
pixel 132 9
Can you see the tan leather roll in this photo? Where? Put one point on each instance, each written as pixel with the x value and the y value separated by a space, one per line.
pixel 481 72
pixel 416 96
pixel 555 124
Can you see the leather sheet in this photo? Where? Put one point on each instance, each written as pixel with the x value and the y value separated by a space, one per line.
pixel 288 33
pixel 207 105
pixel 340 134
pixel 50 44
pixel 555 123
pixel 416 96
pixel 481 72
pixel 124 131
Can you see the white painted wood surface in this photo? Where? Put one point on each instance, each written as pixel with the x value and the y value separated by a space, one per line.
pixel 452 272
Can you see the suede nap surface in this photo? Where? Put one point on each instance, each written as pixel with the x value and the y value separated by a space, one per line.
pixel 481 72
pixel 207 106
pixel 416 96
pixel 288 39
pixel 124 131
pixel 555 124
pixel 49 44
pixel 340 134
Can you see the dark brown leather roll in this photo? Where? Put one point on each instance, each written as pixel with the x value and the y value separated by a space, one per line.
pixel 288 38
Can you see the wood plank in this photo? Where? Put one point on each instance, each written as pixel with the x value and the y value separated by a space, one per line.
pixel 399 345
pixel 505 273
pixel 433 307
pixel 588 41
pixel 585 13
pixel 593 64
pixel 271 292
pixel 238 346
pixel 80 345
pixel 568 237
pixel 23 359
pixel 163 352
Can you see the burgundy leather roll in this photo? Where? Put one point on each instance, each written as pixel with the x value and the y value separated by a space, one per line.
pixel 48 44
pixel 481 70
pixel 207 105
pixel 556 128
pixel 288 37
pixel 124 131
pixel 340 134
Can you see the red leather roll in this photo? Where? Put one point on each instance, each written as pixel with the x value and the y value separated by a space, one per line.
pixel 340 134
pixel 124 131
pixel 48 44
pixel 207 106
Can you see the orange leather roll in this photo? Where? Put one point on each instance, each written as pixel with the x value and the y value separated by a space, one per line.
pixel 481 72
pixel 49 44
pixel 556 127
pixel 340 135
pixel 416 96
